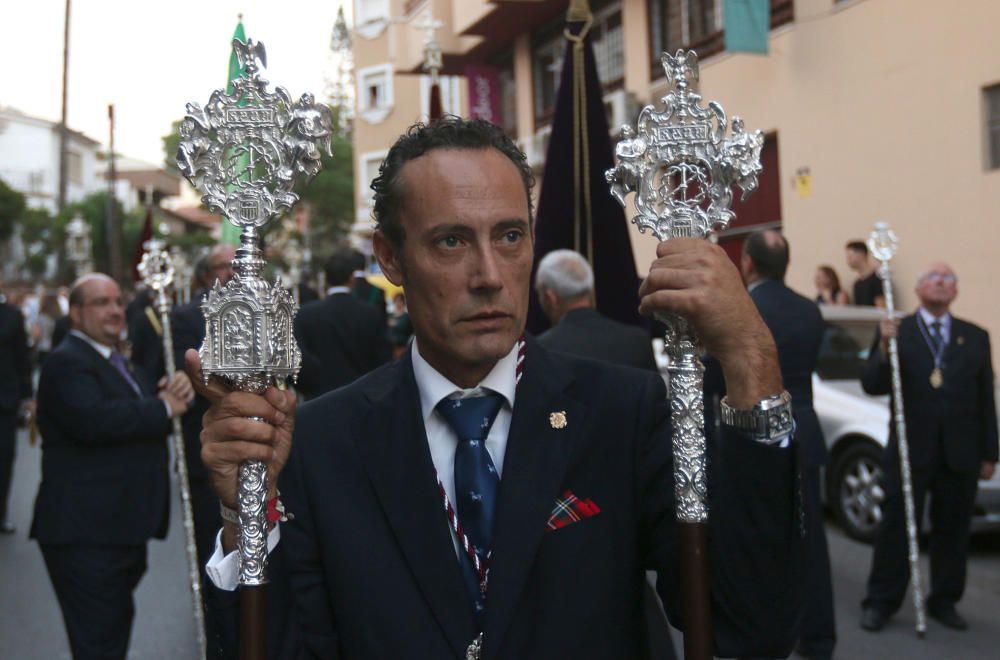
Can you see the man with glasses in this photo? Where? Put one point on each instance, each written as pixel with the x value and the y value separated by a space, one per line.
pixel 951 424
pixel 105 489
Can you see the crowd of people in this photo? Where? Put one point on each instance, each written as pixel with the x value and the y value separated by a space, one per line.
pixel 458 484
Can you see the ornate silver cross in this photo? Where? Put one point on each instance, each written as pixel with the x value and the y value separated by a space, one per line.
pixel 245 151
pixel 679 161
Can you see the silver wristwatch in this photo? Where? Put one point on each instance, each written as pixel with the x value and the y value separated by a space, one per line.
pixel 769 421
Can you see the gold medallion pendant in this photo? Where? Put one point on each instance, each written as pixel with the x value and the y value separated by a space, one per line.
pixel 937 378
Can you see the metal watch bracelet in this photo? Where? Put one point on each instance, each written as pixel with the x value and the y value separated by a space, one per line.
pixel 768 422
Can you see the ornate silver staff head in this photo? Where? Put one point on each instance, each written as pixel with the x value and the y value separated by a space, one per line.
pixel 156 267
pixel 679 161
pixel 882 242
pixel 245 151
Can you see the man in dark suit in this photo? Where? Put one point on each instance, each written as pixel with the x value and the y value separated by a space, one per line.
pixel 364 290
pixel 188 325
pixel 797 327
pixel 341 337
pixel 15 394
pixel 565 286
pixel 564 283
pixel 561 468
pixel 951 428
pixel 104 489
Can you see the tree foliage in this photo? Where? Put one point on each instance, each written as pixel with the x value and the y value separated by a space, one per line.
pixel 170 143
pixel 331 196
pixel 12 206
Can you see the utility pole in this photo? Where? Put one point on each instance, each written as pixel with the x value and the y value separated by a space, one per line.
pixel 113 225
pixel 63 130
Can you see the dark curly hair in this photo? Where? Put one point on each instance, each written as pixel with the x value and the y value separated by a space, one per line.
pixel 449 132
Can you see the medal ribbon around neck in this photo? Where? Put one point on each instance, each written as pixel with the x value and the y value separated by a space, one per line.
pixel 482 567
pixel 936 353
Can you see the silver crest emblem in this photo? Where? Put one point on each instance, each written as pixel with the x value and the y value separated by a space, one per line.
pixel 679 161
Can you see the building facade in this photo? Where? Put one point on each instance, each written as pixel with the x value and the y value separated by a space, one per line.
pixel 29 160
pixel 874 110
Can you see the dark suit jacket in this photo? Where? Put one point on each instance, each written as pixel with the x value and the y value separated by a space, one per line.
pixel 15 361
pixel 367 292
pixel 797 327
pixel 585 332
pixel 188 328
pixel 341 339
pixel 374 574
pixel 961 415
pixel 104 453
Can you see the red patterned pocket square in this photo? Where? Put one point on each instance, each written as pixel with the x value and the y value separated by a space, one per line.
pixel 570 509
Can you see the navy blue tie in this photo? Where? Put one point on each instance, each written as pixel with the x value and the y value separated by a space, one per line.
pixel 476 480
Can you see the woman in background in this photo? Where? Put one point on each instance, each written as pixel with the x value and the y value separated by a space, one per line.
pixel 828 291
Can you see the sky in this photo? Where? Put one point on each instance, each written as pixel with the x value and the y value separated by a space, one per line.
pixel 151 58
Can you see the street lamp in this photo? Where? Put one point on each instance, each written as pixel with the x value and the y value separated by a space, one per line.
pixel 78 245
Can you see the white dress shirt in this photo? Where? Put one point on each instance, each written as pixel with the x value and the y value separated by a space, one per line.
pixel 442 441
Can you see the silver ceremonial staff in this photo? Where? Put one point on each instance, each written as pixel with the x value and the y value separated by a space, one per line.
pixel 245 151
pixel 682 168
pixel 883 243
pixel 157 271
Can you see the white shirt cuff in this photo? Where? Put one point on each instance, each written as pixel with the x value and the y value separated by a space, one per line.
pixel 224 570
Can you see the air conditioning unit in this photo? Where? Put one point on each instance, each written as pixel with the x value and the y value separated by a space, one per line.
pixel 538 147
pixel 622 108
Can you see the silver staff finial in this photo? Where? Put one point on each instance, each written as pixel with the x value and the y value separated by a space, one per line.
pixel 882 242
pixel 679 161
pixel 245 151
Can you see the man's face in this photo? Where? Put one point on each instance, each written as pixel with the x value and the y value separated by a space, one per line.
pixel 466 259
pixel 101 316
pixel 938 286
pixel 220 264
pixel 855 259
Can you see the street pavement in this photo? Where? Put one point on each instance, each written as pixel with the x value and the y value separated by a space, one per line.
pixel 31 626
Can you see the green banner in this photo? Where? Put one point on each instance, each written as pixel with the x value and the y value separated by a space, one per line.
pixel 230 234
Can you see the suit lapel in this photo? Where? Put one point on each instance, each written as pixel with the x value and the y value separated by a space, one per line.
pixel 105 368
pixel 538 456
pixel 394 450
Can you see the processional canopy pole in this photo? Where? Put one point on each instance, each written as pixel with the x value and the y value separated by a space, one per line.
pixel 682 166
pixel 244 151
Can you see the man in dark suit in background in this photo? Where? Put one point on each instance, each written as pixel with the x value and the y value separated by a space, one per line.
pixel 188 324
pixel 364 290
pixel 797 327
pixel 565 286
pixel 15 394
pixel 951 428
pixel 561 467
pixel 341 337
pixel 104 490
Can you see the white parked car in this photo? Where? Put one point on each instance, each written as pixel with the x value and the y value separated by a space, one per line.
pixel 856 427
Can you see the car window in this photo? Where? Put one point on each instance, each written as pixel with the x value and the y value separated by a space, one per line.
pixel 841 355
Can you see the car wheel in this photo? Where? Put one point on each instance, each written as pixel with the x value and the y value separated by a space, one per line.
pixel 856 490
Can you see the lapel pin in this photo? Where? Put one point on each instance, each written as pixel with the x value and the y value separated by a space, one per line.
pixel 557 420
pixel 960 340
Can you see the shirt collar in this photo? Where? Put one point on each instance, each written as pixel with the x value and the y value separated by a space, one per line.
pixel 944 320
pixel 104 350
pixel 337 289
pixel 434 387
pixel 756 283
